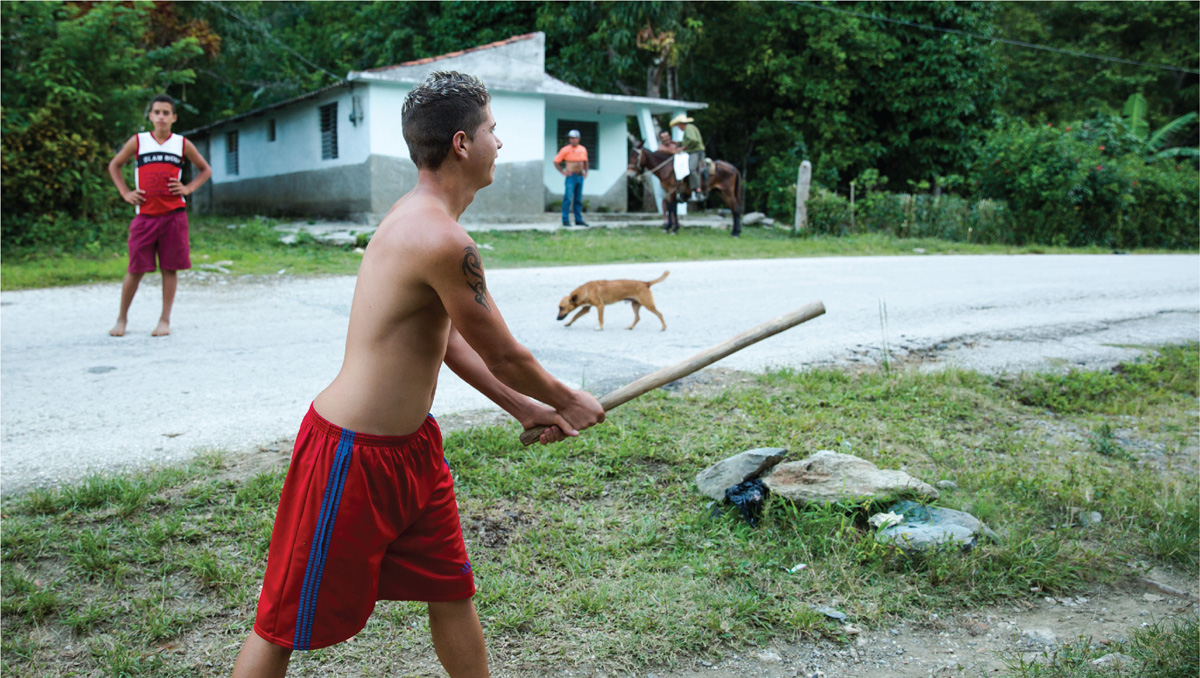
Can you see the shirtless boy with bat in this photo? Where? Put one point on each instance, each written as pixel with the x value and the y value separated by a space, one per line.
pixel 367 511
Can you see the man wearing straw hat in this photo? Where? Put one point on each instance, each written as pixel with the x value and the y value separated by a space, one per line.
pixel 693 145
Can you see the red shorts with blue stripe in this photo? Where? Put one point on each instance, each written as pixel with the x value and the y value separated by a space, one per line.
pixel 361 518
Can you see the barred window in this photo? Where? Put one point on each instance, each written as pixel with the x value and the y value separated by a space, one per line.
pixel 231 153
pixel 329 149
pixel 589 138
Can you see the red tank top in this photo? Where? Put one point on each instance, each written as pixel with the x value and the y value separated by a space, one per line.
pixel 157 164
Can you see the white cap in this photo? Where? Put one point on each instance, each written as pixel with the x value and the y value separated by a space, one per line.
pixel 573 133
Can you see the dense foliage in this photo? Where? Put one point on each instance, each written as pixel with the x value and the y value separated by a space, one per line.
pixel 1061 87
pixel 67 103
pixel 1087 184
pixel 849 93
pixel 918 93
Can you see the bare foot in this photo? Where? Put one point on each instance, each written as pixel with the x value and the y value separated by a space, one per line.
pixel 118 330
pixel 163 329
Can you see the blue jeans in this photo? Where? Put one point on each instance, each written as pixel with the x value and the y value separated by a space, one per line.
pixel 573 193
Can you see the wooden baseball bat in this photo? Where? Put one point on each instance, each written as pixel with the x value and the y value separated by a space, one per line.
pixel 700 360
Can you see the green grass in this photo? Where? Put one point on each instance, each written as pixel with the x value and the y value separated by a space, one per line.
pixel 1166 649
pixel 1134 388
pixel 595 246
pixel 601 547
pixel 253 248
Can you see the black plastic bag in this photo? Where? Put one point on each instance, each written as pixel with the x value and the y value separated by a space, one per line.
pixel 748 497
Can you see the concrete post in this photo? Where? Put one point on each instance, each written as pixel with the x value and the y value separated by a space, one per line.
pixel 650 137
pixel 853 224
pixel 803 186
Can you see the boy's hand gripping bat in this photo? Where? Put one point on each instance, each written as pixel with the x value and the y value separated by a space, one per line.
pixel 700 360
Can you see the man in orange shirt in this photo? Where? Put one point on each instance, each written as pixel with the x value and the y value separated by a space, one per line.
pixel 574 165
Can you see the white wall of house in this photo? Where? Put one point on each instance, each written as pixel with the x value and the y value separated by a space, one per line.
pixel 384 120
pixel 297 144
pixel 523 123
pixel 520 120
pixel 613 151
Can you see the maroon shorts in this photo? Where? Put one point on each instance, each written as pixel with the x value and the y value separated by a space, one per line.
pixel 361 518
pixel 164 236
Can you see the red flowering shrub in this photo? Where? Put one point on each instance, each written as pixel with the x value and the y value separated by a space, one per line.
pixel 1059 192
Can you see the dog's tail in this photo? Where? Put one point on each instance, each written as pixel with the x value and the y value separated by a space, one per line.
pixel 659 278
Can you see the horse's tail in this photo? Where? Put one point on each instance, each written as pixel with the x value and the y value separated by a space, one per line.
pixel 658 279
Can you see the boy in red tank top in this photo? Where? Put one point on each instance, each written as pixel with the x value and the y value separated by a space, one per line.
pixel 160 229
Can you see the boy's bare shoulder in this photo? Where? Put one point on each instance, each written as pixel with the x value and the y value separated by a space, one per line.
pixel 422 228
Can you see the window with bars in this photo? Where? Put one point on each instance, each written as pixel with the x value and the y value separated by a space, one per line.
pixel 271 130
pixel 589 138
pixel 231 153
pixel 329 148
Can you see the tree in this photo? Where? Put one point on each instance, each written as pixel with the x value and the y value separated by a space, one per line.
pixel 274 51
pixel 1059 87
pixel 66 104
pixel 618 46
pixel 851 91
pixel 1133 120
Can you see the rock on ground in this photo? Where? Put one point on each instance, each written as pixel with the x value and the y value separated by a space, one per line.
pixel 714 480
pixel 828 477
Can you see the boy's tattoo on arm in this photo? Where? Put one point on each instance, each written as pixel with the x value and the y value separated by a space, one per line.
pixel 472 268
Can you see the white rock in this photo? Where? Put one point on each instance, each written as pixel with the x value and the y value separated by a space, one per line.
pixel 828 477
pixel 714 480
pixel 1040 636
pixel 770 656
pixel 1115 659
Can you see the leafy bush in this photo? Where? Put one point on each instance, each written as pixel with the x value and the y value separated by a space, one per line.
pixel 910 216
pixel 1167 200
pixel 67 105
pixel 926 216
pixel 1085 184
pixel 1048 177
pixel 773 185
pixel 828 213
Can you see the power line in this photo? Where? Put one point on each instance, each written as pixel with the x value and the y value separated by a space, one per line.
pixel 1003 40
pixel 269 36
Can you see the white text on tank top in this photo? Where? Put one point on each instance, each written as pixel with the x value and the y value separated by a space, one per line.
pixel 157 164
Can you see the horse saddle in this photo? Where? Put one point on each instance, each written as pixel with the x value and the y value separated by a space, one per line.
pixel 707 168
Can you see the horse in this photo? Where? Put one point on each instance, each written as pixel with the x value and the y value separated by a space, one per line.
pixel 722 176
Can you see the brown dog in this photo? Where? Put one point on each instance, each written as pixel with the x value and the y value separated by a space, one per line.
pixel 600 292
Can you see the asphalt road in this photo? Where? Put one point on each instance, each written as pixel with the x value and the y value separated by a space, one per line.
pixel 247 356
